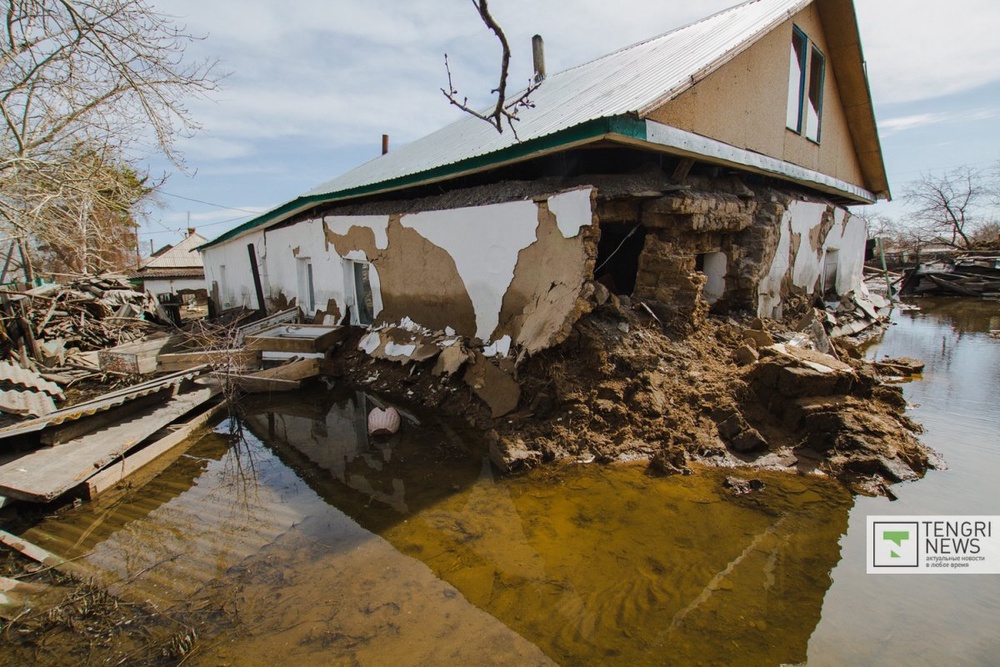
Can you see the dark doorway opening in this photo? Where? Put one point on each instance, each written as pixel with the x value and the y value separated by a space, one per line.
pixel 618 257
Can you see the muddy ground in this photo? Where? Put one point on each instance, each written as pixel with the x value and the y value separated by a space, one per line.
pixel 623 387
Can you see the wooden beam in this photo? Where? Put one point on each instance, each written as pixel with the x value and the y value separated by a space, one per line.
pixel 183 360
pixel 682 169
pixel 40 555
pixel 115 474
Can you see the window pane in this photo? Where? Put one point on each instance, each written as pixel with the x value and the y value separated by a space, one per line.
pixel 796 81
pixel 814 109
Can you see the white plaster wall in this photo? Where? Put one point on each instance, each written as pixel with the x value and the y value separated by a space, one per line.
pixel 239 289
pixel 769 290
pixel 484 242
pixel 807 263
pixel 848 237
pixel 572 210
pixel 170 286
pixel 332 274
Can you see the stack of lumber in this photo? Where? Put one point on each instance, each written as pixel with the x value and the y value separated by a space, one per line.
pixel 90 447
pixel 52 334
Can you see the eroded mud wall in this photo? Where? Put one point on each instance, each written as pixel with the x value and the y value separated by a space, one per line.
pixel 757 246
pixel 512 269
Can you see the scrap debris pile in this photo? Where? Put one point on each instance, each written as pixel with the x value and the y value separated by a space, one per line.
pixel 974 274
pixel 51 335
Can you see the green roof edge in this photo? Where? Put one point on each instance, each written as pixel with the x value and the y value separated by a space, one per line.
pixel 628 126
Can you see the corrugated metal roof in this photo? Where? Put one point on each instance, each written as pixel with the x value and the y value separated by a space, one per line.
pixel 34 403
pixel 579 104
pixel 184 254
pixel 625 82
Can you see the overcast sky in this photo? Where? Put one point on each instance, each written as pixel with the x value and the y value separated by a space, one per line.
pixel 314 84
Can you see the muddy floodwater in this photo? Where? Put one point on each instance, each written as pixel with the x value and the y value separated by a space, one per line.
pixel 289 537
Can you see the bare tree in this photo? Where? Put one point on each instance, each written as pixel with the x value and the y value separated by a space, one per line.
pixel 105 75
pixel 89 201
pixel 951 207
pixel 504 109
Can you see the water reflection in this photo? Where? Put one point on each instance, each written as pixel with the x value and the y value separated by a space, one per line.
pixel 297 538
pixel 928 619
pixel 587 563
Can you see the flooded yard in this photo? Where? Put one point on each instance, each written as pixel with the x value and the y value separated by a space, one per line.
pixel 288 536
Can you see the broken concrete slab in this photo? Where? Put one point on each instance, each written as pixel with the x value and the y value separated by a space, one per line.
pixel 746 355
pixel 900 366
pixel 758 338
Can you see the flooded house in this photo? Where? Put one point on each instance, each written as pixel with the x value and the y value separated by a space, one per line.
pixel 706 168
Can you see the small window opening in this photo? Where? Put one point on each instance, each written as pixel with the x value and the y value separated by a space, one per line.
pixel 830 261
pixel 363 294
pixel 307 290
pixel 618 253
pixel 713 265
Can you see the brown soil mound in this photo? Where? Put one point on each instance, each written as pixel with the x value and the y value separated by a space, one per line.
pixel 619 388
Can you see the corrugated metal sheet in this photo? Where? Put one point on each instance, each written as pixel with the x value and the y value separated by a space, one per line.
pixel 101 404
pixel 14 374
pixel 184 254
pixel 625 82
pixel 32 403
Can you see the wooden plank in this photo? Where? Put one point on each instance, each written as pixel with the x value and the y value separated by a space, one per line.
pixel 183 360
pixel 40 555
pixel 302 369
pixel 257 385
pixel 289 316
pixel 297 338
pixel 46 474
pixel 113 475
pixel 137 358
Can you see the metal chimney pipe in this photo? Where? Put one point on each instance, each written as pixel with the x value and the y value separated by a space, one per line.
pixel 538 56
pixel 385 144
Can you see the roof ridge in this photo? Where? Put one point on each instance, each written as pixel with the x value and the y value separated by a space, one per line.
pixel 655 38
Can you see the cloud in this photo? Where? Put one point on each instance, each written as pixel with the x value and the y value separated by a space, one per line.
pixel 891 126
pixel 314 83
pixel 902 123
pixel 923 49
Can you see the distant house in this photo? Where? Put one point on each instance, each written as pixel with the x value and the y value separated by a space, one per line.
pixel 709 166
pixel 176 269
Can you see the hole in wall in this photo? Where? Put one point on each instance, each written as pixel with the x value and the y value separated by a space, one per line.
pixel 618 253
pixel 713 265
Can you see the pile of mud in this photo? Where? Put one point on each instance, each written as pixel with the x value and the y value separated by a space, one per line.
pixel 728 393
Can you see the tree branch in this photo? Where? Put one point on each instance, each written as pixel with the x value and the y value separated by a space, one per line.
pixel 504 110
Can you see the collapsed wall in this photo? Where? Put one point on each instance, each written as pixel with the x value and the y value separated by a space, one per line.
pixel 723 246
